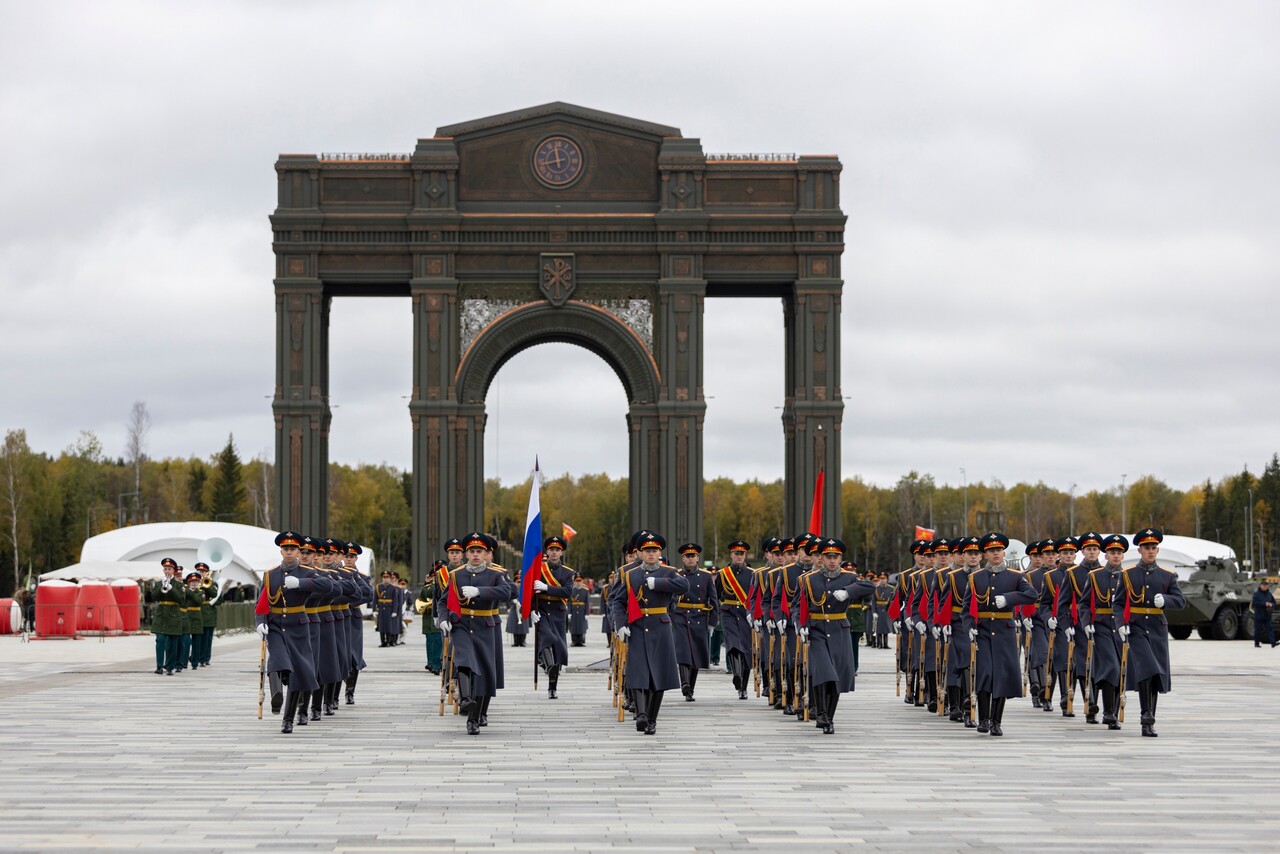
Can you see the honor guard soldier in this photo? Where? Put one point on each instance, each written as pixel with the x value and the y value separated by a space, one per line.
pixel 641 612
pixel 209 601
pixel 857 614
pixel 166 618
pixel 785 583
pixel 783 553
pixel 474 628
pixel 1033 621
pixel 338 609
pixel 762 617
pixel 283 621
pixel 552 589
pixel 630 560
pixel 1090 549
pixel 324 641
pixel 1100 624
pixel 993 594
pixel 923 606
pixel 955 634
pixel 579 609
pixel 820 608
pixel 732 585
pixel 387 611
pixel 690 614
pixel 881 625
pixel 355 619
pixel 1147 591
pixel 900 611
pixel 1056 598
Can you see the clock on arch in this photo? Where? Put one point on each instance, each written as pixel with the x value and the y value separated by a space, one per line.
pixel 557 161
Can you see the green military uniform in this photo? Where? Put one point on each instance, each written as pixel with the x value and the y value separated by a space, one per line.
pixel 167 622
pixel 193 627
pixel 208 618
pixel 857 615
pixel 431 632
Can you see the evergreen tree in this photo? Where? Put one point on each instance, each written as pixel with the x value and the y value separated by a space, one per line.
pixel 195 488
pixel 228 486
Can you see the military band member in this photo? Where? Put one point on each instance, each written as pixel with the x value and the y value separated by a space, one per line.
pixel 552 590
pixel 579 609
pixel 1100 624
pixel 857 613
pixel 474 628
pixel 425 606
pixel 166 617
pixel 208 614
pixel 690 615
pixel 1090 549
pixel 1055 601
pixel 283 621
pixel 1147 591
pixel 387 611
pixel 641 611
pixel 195 623
pixel 992 595
pixel 733 583
pixel 355 618
pixel 1033 622
pixel 820 608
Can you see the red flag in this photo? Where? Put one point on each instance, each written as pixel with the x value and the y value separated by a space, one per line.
pixel 815 515
pixel 567 531
pixel 924 533
pixel 895 607
pixel 264 605
pixel 633 603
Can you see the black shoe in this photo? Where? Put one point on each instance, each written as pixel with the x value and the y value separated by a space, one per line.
pixel 168 673
pixel 286 725
pixel 956 716
pixel 351 698
pixel 968 723
pixel 932 707
pixel 328 709
pixel 984 726
pixel 1091 719
pixel 277 701
pixel 484 720
pixel 651 728
pixel 688 698
pixel 742 695
pixel 1149 731
pixel 995 729
pixel 788 710
pixel 315 714
pixel 642 723
pixel 551 693
pixel 473 728
pixel 828 728
pixel 1111 723
pixel 1067 714
pixel 159 671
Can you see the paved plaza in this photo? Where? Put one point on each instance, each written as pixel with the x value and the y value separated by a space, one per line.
pixel 100 753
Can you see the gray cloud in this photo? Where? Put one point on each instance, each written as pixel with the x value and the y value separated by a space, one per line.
pixel 1061 256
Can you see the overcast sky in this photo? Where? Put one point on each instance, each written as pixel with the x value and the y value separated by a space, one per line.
pixel 1061 257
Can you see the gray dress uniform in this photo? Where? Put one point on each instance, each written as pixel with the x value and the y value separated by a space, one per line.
pixel 732 591
pixel 1055 602
pixel 579 608
pixel 1096 610
pixel 998 673
pixel 1148 670
pixel 552 605
pixel 691 614
pixel 651 654
pixel 785 585
pixel 831 666
pixel 476 636
pixel 289 651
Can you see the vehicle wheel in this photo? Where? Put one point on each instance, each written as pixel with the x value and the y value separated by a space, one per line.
pixel 1246 626
pixel 1226 623
pixel 1205 631
pixel 1180 632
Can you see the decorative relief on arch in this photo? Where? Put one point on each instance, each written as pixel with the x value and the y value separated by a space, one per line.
pixel 478 312
pixel 637 314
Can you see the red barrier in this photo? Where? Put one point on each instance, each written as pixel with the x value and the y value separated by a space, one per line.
pixel 96 608
pixel 56 609
pixel 128 603
pixel 7 626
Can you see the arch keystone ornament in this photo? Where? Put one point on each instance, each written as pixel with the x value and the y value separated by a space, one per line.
pixel 566 224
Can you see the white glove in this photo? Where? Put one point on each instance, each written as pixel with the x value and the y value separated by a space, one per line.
pixel 920 627
pixel 946 631
pixel 1088 630
pixel 973 635
pixel 782 625
pixel 1124 634
pixel 1000 600
pixel 1158 600
pixel 1026 623
pixel 772 625
pixel 534 617
pixel 1053 623
pixel 263 628
pixel 291 581
pixel 804 632
pixel 539 585
pixel 840 595
pixel 445 626
pixel 937 632
pixel 623 633
pixel 470 592
pixel 1071 633
pixel 652 581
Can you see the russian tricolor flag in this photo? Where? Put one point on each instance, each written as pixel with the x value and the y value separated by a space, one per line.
pixel 532 564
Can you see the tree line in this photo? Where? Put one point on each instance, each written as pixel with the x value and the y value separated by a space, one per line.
pixel 50 504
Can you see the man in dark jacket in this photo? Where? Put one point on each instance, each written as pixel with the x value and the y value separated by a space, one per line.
pixel 1263 604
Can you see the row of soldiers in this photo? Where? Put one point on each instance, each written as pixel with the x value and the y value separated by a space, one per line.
pixel 308 615
pixel 183 617
pixel 968 625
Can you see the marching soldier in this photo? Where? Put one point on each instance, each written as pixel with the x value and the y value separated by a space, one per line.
pixel 1148 589
pixel 955 585
pixel 355 618
pixel 857 614
pixel 881 625
pixel 208 615
pixel 1090 549
pixel 387 611
pixel 785 582
pixel 474 629
pixel 195 622
pixel 550 607
pixel 992 595
pixel 1055 600
pixel 820 607
pixel 762 618
pixel 324 641
pixel 283 621
pixel 166 618
pixel 732 585
pixel 425 606
pixel 900 610
pixel 1033 622
pixel 516 625
pixel 690 614
pixel 579 608
pixel 641 612
pixel 923 606
pixel 1098 617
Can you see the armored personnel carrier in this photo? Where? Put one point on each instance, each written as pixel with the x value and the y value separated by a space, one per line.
pixel 1219 598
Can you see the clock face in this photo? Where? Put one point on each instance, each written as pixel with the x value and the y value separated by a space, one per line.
pixel 557 161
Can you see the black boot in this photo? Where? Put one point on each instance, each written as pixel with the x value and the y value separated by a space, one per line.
pixel 693 683
pixel 277 700
pixel 290 709
pixel 984 711
pixel 957 711
pixel 997 715
pixel 473 719
pixel 1110 706
pixel 685 687
pixel 484 711
pixel 1089 696
pixel 820 705
pixel 1065 691
pixel 966 701
pixel 642 709
pixel 553 677
pixel 351 686
pixel 655 703
pixel 331 698
pixel 465 701
pixel 833 699
pixel 931 692
pixel 910 694
pixel 304 700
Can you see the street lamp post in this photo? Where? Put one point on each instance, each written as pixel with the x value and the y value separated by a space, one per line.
pixel 1196 505
pixel 1248 520
pixel 964 522
pixel 1072 524
pixel 1124 505
pixel 120 506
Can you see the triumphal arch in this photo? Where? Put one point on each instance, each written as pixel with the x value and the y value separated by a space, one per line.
pixel 558 223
